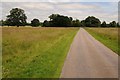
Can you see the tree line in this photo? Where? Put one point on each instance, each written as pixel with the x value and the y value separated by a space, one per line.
pixel 17 17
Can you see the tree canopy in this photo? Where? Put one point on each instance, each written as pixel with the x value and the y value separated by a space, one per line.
pixel 103 24
pixel 76 23
pixel 57 20
pixel 92 21
pixel 17 17
pixel 113 24
pixel 35 22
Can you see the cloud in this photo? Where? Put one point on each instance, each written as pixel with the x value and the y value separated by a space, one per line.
pixel 0 11
pixel 57 1
pixel 76 6
pixel 24 0
pixel 95 0
pixel 39 6
pixel 54 1
pixel 74 11
pixel 104 11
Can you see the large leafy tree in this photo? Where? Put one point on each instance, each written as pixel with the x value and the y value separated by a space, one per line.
pixel 57 20
pixel 1 22
pixel 53 16
pixel 118 25
pixel 83 23
pixel 113 24
pixel 17 17
pixel 35 22
pixel 103 24
pixel 46 23
pixel 92 21
pixel 76 23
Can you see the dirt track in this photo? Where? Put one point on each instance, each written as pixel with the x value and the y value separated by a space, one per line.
pixel 88 58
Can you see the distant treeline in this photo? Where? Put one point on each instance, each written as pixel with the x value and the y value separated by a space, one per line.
pixel 17 17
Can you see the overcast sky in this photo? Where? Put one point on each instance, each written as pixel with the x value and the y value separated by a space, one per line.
pixel 105 11
pixel 59 0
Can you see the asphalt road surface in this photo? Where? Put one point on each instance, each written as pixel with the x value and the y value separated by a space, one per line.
pixel 88 58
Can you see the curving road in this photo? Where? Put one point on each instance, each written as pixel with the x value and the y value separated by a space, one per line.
pixel 88 58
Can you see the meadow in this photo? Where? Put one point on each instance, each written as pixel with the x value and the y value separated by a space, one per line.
pixel 108 36
pixel 35 52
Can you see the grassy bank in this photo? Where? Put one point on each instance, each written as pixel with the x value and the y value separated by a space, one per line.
pixel 35 52
pixel 108 36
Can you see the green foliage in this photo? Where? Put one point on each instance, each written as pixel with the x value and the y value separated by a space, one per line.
pixel 35 22
pixel 57 20
pixel 76 23
pixel 53 16
pixel 83 23
pixel 113 24
pixel 118 25
pixel 17 17
pixel 92 21
pixel 3 23
pixel 46 23
pixel 103 24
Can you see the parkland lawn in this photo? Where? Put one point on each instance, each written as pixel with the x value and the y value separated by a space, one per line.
pixel 108 36
pixel 35 52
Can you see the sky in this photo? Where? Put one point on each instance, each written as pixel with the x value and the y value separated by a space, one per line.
pixel 59 0
pixel 105 11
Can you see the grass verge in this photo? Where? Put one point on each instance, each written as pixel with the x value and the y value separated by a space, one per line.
pixel 108 36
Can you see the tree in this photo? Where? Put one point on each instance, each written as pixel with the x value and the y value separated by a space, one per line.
pixel 76 23
pixel 1 22
pixel 53 16
pixel 17 17
pixel 71 18
pixel 28 24
pixel 83 23
pixel 118 25
pixel 35 22
pixel 113 24
pixel 46 23
pixel 57 20
pixel 91 21
pixel 103 24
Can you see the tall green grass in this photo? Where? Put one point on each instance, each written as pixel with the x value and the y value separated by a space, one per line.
pixel 108 36
pixel 35 52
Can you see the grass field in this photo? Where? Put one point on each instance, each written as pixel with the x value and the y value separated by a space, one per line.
pixel 108 36
pixel 35 52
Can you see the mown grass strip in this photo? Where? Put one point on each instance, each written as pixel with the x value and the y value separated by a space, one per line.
pixel 108 36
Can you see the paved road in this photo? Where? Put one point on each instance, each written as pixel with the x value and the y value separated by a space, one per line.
pixel 88 58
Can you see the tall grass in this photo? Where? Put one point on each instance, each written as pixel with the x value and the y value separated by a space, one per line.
pixel 35 52
pixel 108 36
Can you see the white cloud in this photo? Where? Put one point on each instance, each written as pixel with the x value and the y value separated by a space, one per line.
pixel 77 6
pixel 76 10
pixel 39 6
pixel 57 1
pixel 54 1
pixel 95 0
pixel 24 0
pixel 0 11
